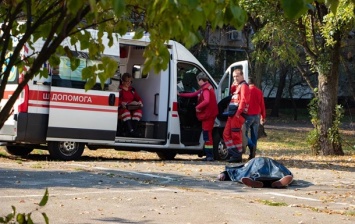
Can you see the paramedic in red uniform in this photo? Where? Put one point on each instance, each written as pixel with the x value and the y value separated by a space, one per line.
pixel 129 98
pixel 206 111
pixel 232 133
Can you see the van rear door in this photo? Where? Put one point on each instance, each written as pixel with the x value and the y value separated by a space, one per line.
pixel 77 115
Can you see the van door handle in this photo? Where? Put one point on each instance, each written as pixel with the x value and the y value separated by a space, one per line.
pixel 41 83
pixel 155 104
pixel 111 99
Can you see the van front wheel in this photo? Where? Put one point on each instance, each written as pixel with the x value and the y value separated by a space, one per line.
pixel 66 150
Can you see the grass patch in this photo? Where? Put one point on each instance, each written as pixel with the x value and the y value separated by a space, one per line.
pixel 295 142
pixel 37 166
pixel 284 142
pixel 2 154
pixel 79 169
pixel 350 213
pixel 40 152
pixel 272 203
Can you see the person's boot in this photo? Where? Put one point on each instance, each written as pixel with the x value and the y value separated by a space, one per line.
pixel 129 128
pixel 135 131
pixel 252 152
pixel 134 124
pixel 235 155
pixel 209 155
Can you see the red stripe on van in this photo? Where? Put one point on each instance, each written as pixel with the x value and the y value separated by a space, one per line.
pixel 7 94
pixel 80 98
pixel 175 106
pixel 69 98
pixel 39 95
pixel 23 106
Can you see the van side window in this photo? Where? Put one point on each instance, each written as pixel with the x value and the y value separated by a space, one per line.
pixel 186 77
pixel 65 77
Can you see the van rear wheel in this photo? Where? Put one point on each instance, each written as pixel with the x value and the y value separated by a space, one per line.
pixel 166 155
pixel 19 150
pixel 66 150
pixel 219 148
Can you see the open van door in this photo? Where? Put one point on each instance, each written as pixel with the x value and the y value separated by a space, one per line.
pixel 223 99
pixel 77 117
pixel 223 89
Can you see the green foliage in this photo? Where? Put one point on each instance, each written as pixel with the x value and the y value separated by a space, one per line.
pixel 295 8
pixel 25 218
pixel 313 135
pixel 333 132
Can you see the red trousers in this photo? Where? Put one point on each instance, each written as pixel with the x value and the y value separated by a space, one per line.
pixel 130 115
pixel 232 134
pixel 207 127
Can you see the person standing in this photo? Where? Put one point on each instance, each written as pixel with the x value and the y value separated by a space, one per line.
pixel 129 99
pixel 256 116
pixel 206 111
pixel 232 133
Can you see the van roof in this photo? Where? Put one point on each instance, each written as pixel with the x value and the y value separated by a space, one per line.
pixel 109 51
pixel 181 52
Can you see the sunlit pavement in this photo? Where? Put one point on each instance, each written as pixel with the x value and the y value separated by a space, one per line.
pixel 181 191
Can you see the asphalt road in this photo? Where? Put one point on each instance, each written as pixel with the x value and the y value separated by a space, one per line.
pixel 181 191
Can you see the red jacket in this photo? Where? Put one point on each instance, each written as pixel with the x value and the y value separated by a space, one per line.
pixel 127 96
pixel 241 97
pixel 233 88
pixel 256 103
pixel 206 102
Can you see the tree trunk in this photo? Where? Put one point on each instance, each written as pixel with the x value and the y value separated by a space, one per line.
pixel 328 96
pixel 280 89
pixel 259 70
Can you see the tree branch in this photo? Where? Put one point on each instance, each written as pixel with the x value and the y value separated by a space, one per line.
pixel 304 75
pixel 304 43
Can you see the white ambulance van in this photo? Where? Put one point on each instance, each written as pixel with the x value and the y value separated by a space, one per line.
pixel 58 115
